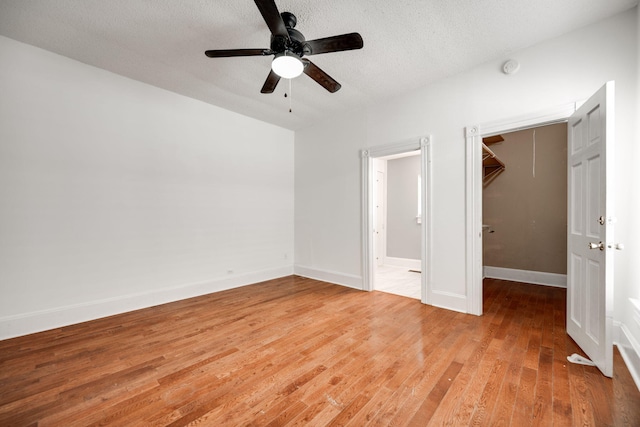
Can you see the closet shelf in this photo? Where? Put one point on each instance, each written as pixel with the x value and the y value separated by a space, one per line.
pixel 491 164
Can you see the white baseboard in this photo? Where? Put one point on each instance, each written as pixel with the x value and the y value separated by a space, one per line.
pixel 347 280
pixel 449 301
pixel 526 276
pixel 28 323
pixel 629 349
pixel 414 264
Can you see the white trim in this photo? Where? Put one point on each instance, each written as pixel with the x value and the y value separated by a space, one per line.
pixel 450 301
pixel 38 321
pixel 413 144
pixel 414 264
pixel 366 195
pixel 348 280
pixel 401 155
pixel 547 117
pixel 427 220
pixel 473 209
pixel 473 247
pixel 629 350
pixel 526 276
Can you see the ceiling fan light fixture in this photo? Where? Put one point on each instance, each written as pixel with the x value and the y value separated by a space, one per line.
pixel 287 66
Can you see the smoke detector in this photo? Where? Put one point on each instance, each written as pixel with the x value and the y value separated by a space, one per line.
pixel 510 67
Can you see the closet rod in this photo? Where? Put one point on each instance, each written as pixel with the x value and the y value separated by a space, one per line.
pixel 490 154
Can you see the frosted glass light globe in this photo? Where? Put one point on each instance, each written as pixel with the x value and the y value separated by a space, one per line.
pixel 287 66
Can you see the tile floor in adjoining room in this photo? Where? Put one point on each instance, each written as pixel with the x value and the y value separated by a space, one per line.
pixel 397 280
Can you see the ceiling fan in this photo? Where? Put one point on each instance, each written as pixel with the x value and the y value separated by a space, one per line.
pixel 288 46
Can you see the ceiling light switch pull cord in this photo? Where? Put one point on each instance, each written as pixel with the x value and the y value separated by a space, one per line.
pixel 290 95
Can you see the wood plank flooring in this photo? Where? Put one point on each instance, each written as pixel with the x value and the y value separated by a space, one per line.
pixel 296 351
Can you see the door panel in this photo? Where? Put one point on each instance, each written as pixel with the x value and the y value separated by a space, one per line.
pixel 589 257
pixel 379 218
pixel 575 204
pixel 575 303
pixel 594 228
pixel 593 302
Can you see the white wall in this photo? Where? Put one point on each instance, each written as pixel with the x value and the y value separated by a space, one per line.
pixel 628 315
pixel 116 195
pixel 327 200
pixel 556 72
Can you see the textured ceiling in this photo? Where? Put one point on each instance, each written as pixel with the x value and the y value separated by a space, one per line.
pixel 407 44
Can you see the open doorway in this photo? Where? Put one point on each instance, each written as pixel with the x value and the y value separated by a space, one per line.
pixel 374 238
pixel 524 207
pixel 474 183
pixel 397 218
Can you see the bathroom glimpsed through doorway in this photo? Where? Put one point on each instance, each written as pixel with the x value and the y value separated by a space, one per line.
pixel 397 221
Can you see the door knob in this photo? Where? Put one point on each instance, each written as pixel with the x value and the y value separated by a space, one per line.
pixel 599 245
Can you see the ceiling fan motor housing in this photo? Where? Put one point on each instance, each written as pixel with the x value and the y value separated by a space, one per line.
pixel 296 43
pixel 289 19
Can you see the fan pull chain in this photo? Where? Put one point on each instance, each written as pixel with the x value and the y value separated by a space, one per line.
pixel 289 95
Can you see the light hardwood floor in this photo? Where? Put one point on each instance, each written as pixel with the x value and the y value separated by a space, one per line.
pixel 296 351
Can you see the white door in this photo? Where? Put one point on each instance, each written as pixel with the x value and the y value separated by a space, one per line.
pixel 379 229
pixel 590 229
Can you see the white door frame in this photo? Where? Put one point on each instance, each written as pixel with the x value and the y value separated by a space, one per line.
pixel 473 235
pixel 367 156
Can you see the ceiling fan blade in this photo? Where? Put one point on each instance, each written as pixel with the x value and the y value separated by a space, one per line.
pixel 335 44
pixel 322 78
pixel 270 84
pixel 227 53
pixel 269 12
